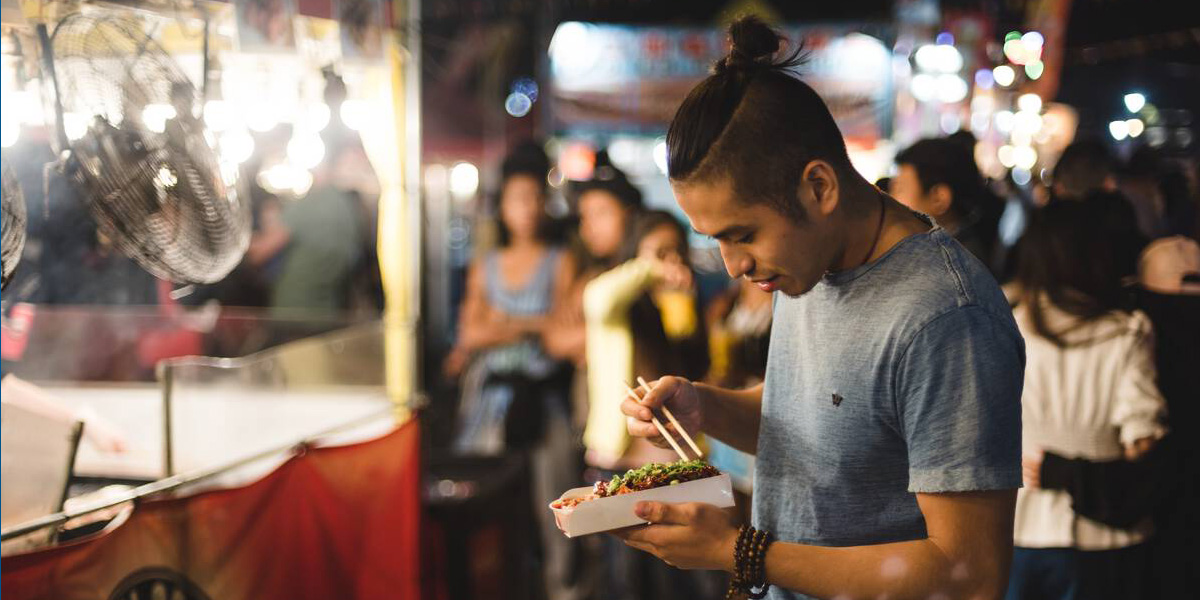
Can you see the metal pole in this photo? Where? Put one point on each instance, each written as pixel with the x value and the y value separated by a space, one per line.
pixel 168 379
pixel 412 181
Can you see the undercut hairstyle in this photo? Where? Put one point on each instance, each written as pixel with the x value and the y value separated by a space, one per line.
pixel 755 122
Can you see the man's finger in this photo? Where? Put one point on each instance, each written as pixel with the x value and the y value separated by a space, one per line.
pixel 663 513
pixel 632 408
pixel 660 391
pixel 641 428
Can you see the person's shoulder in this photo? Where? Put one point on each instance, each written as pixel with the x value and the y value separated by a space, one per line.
pixel 933 273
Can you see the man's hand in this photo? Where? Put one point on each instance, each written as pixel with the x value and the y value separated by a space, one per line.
pixel 678 395
pixel 687 536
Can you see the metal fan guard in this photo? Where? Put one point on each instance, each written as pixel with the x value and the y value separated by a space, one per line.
pixel 15 220
pixel 160 193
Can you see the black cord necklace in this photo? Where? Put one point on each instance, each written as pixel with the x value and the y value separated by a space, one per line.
pixel 878 228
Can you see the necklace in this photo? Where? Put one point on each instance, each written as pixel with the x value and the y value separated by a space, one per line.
pixel 878 229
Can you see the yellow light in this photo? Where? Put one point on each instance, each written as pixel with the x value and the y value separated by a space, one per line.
pixel 1135 126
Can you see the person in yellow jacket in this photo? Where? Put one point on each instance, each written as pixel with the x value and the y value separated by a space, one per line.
pixel 641 322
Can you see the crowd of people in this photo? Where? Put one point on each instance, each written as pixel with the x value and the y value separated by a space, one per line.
pixel 562 315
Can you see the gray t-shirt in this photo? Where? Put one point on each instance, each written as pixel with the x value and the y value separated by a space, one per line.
pixel 901 376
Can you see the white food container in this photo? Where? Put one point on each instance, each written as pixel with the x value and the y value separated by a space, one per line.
pixel 615 512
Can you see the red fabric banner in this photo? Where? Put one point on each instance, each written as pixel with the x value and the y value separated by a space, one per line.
pixel 333 523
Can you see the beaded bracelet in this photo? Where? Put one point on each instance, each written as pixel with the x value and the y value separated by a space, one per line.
pixel 750 568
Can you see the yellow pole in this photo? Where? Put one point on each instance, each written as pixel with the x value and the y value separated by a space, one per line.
pixel 399 223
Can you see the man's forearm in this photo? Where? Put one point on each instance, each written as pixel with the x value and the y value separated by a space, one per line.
pixel 732 416
pixel 899 570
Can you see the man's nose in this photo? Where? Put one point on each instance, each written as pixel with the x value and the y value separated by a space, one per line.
pixel 737 263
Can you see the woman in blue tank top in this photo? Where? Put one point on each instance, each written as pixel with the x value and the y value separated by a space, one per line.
pixel 510 292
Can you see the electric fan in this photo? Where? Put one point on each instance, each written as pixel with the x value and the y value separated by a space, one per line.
pixel 137 151
pixel 14 223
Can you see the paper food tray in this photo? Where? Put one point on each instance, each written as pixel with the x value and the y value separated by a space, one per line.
pixel 606 514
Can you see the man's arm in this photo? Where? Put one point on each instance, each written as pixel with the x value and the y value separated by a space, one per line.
pixel 966 556
pixel 732 416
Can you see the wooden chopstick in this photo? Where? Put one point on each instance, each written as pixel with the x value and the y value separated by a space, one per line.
pixel 683 432
pixel 659 425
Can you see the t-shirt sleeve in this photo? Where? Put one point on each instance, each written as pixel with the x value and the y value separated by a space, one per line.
pixel 958 401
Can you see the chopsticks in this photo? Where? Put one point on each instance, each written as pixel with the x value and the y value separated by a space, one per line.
pixel 659 425
pixel 683 432
pixel 663 430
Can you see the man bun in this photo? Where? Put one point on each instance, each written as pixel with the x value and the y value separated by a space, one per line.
pixel 753 45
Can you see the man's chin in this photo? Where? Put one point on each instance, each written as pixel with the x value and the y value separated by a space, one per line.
pixel 794 290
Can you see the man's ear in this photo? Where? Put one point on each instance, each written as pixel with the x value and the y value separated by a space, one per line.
pixel 820 191
pixel 941 199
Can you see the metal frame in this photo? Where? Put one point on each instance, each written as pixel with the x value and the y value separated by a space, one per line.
pixel 170 483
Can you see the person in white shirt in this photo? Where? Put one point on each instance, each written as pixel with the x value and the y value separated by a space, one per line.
pixel 1089 393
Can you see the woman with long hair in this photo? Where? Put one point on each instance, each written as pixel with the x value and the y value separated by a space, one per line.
pixel 1089 394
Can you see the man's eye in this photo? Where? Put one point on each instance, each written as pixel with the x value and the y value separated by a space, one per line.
pixel 745 239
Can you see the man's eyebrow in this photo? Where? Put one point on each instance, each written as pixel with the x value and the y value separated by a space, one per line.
pixel 728 233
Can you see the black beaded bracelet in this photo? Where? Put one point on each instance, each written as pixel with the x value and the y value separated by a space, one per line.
pixel 750 564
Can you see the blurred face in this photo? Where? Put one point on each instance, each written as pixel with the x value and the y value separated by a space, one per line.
pixel 663 243
pixel 601 223
pixel 906 187
pixel 521 206
pixel 775 252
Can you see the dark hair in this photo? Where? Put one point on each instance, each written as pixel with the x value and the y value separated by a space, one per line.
pixel 940 161
pixel 606 177
pixel 755 122
pixel 1082 169
pixel 526 159
pixel 1073 255
pixel 655 353
pixel 645 223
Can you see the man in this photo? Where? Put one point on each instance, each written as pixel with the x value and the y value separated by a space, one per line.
pixel 887 432
pixel 938 177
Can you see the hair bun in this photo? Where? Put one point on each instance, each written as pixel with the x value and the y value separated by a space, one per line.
pixel 752 44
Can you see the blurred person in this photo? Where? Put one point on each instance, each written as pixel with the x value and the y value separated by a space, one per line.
pixel 939 178
pixel 354 173
pixel 887 432
pixel 1089 393
pixel 1165 484
pixel 320 242
pixel 1169 276
pixel 510 293
pixel 1159 191
pixel 608 205
pixel 1085 166
pixel 642 321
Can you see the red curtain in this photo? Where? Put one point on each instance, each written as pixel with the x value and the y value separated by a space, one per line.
pixel 332 523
